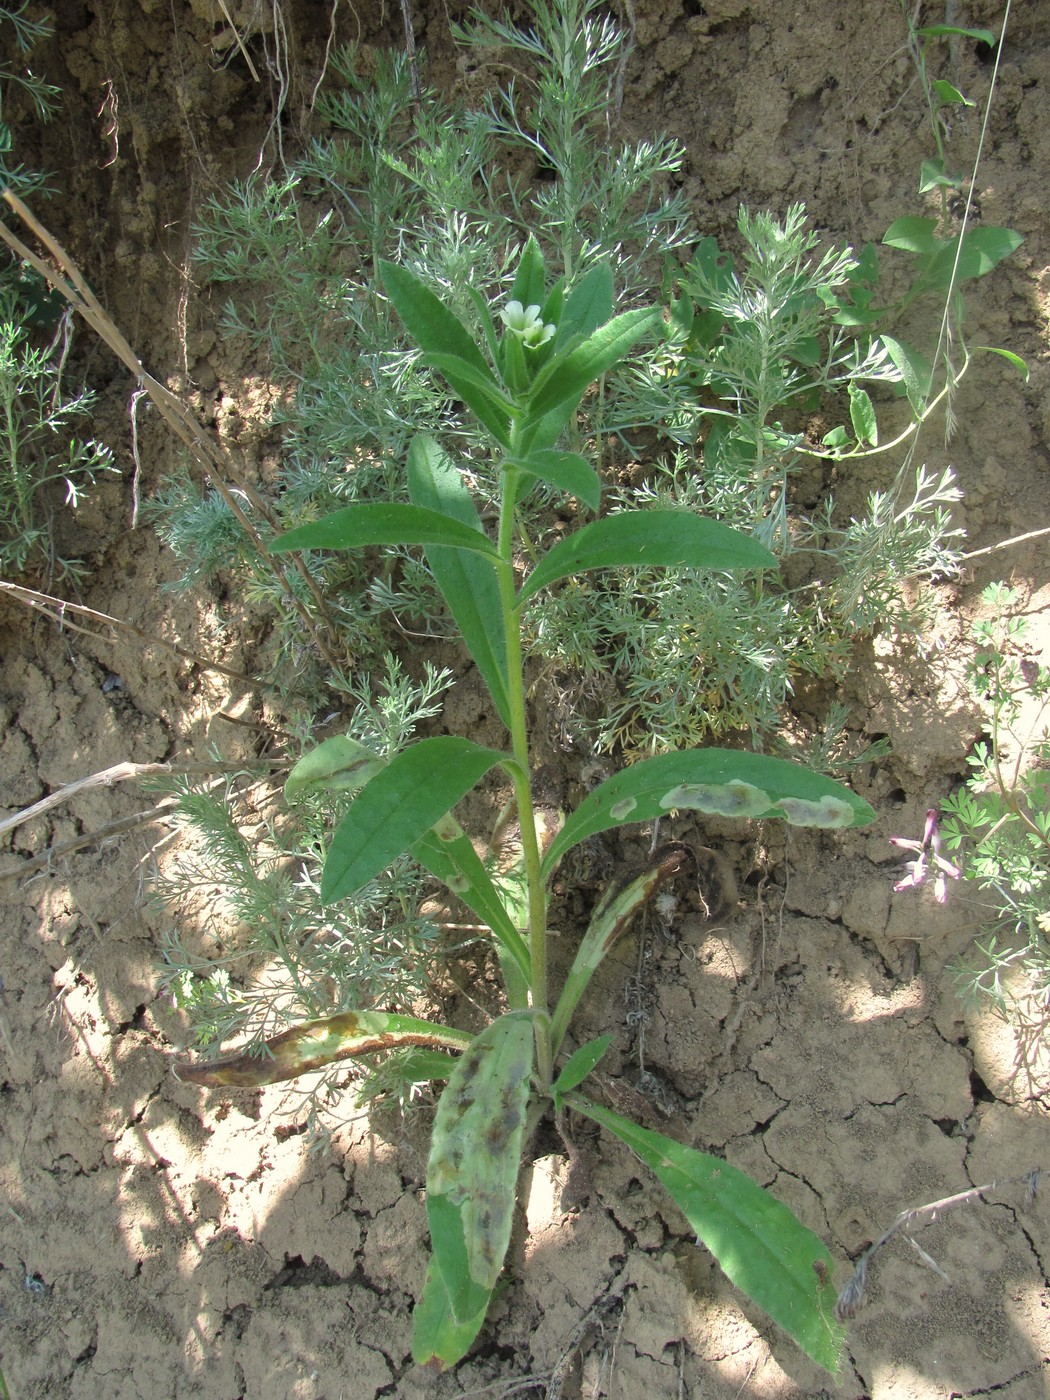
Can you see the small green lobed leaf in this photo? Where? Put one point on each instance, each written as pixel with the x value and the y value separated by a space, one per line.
pixel 398 806
pixel 657 538
pixel 316 1044
pixel 475 1157
pixel 760 1245
pixel 727 782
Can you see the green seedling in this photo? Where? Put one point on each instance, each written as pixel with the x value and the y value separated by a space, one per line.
pixel 524 379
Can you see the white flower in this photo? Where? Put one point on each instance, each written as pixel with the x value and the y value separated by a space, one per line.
pixel 525 322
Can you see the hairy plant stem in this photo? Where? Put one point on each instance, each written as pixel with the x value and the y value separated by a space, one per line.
pixel 537 903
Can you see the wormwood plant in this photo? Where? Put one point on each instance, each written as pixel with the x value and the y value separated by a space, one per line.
pixel 1000 818
pixel 523 380
pixel 26 33
pixel 41 458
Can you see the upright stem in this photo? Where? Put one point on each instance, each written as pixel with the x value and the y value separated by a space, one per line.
pixel 537 902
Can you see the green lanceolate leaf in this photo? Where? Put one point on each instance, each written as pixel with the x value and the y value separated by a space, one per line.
pixel 648 538
pixel 437 1337
pixel 339 764
pixel 398 806
pixel 578 1066
pixel 439 332
pixel 588 306
pixel 862 416
pixel 762 1248
pixel 385 522
pixel 449 854
pixel 915 371
pixel 430 323
pixel 723 782
pixel 475 1157
pixel 468 583
pixel 530 277
pixel 315 1044
pixel 568 471
pixel 564 378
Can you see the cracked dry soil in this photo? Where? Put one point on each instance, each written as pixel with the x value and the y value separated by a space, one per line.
pixel 157 1240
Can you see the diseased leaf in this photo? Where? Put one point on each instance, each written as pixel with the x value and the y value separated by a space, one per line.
pixel 314 1044
pixel 398 806
pixel 722 781
pixel 760 1245
pixel 339 764
pixel 387 522
pixel 475 1157
pixel 612 916
pixel 467 582
pixel 648 538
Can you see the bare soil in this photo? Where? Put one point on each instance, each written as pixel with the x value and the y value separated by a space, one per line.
pixel 159 1240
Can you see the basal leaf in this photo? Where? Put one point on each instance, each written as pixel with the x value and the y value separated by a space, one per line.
pixel 943 31
pixel 399 806
pixel 386 522
pixel 723 782
pixel 467 582
pixel 578 1066
pixel 315 1044
pixel 475 1157
pixel 437 1337
pixel 760 1245
pixel 644 538
pixel 568 471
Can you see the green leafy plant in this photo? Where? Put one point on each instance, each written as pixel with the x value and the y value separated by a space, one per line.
pixel 1000 818
pixel 750 354
pixel 41 460
pixel 415 177
pixel 523 378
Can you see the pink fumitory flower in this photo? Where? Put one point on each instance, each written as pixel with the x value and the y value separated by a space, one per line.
pixel 917 868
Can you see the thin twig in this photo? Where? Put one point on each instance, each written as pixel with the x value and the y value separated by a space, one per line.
pixel 123 773
pixel 56 608
pixel 89 838
pixel 210 457
pixel 851 1297
pixel 1006 544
